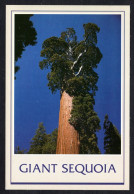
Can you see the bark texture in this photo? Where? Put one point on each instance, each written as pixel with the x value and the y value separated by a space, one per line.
pixel 68 137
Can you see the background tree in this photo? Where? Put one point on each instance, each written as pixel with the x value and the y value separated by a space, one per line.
pixel 112 139
pixel 50 146
pixel 38 140
pixel 19 151
pixel 25 34
pixel 43 143
pixel 88 143
pixel 72 71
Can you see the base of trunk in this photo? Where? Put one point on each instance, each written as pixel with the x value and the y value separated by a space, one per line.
pixel 68 137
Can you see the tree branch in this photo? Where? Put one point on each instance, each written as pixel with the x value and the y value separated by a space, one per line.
pixel 79 71
pixel 77 59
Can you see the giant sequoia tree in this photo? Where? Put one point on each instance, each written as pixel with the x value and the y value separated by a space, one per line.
pixel 72 67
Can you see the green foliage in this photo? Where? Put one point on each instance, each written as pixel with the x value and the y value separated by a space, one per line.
pixel 86 121
pixel 82 85
pixel 112 139
pixel 71 62
pixel 25 34
pixel 82 115
pixel 69 36
pixel 88 143
pixel 43 143
pixel 38 140
pixel 90 33
pixel 18 151
pixel 50 146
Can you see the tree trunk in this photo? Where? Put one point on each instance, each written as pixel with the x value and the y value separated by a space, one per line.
pixel 68 137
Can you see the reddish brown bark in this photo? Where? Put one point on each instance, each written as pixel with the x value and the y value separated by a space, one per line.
pixel 68 137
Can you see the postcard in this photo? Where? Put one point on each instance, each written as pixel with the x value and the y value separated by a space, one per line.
pixel 67 97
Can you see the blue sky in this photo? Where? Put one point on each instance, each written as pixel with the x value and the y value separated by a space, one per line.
pixel 35 103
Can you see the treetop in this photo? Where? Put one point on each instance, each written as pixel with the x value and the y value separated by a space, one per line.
pixel 72 63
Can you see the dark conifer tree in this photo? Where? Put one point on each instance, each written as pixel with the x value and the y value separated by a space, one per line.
pixel 50 145
pixel 19 151
pixel 43 143
pixel 38 141
pixel 25 34
pixel 112 139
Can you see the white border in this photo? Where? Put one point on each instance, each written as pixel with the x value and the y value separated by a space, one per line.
pixel 10 10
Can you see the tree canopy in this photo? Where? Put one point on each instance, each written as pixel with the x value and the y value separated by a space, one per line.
pixel 112 139
pixel 25 34
pixel 72 63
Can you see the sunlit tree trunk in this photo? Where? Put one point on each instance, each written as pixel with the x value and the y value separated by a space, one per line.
pixel 68 137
